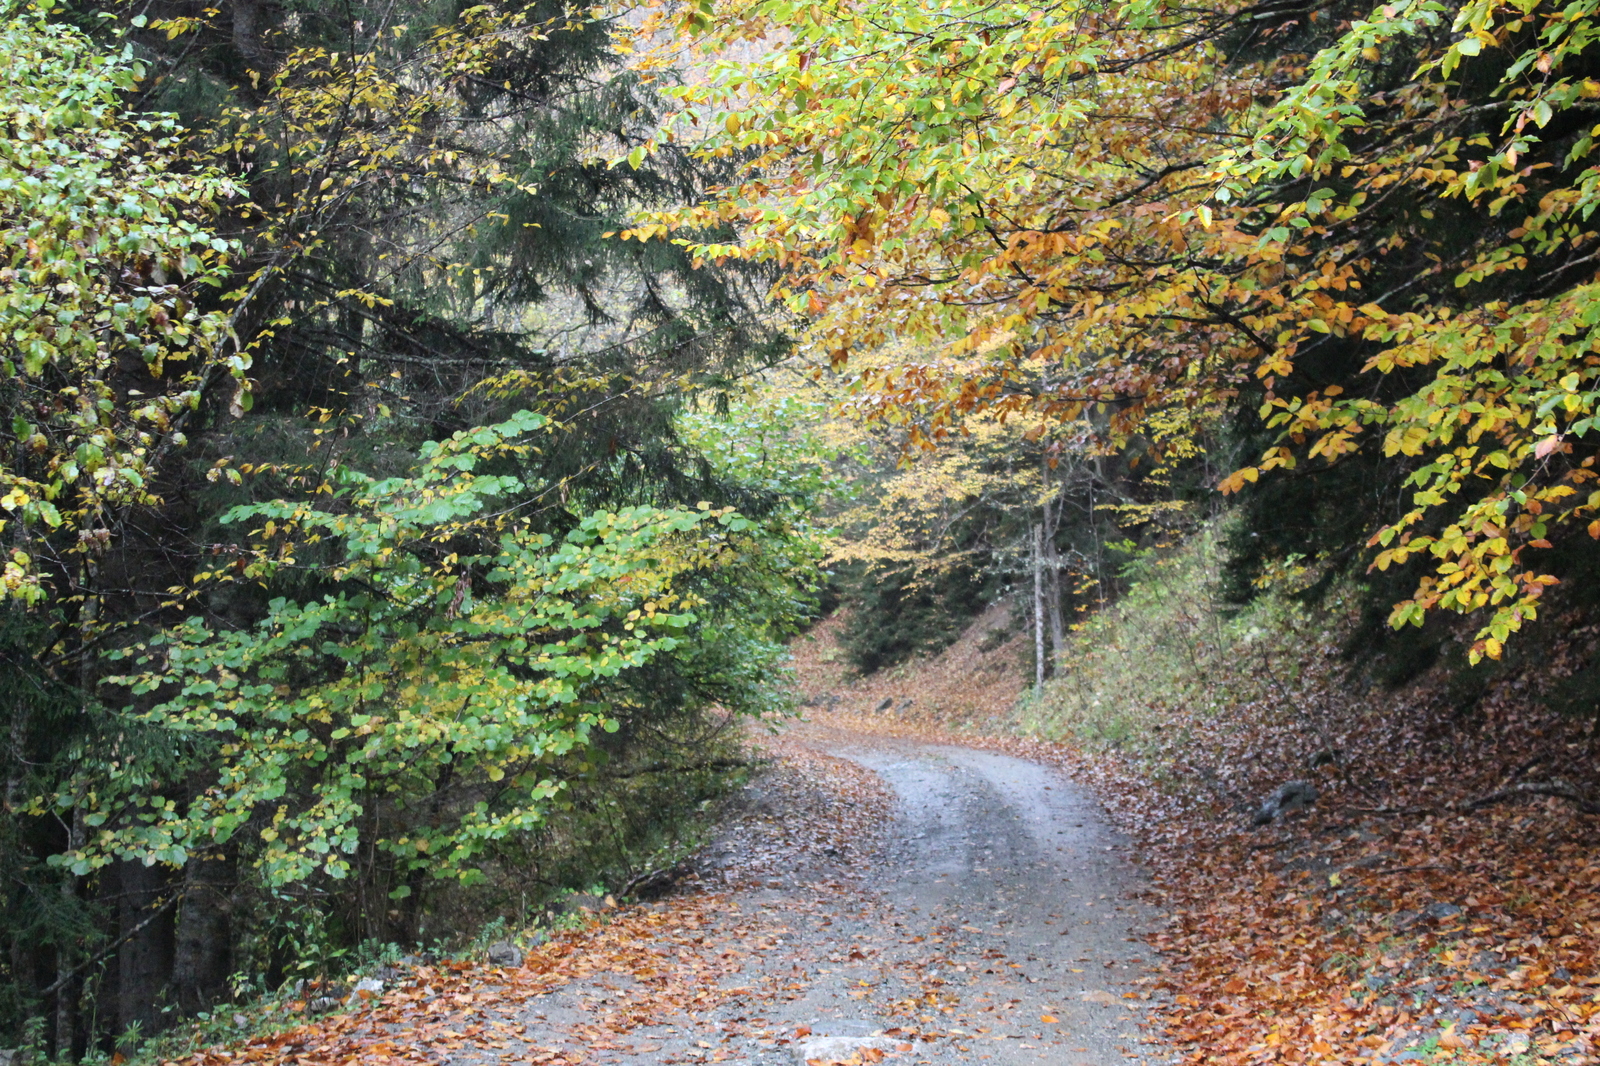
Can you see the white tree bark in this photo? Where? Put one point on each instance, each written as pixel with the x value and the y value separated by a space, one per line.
pixel 1038 608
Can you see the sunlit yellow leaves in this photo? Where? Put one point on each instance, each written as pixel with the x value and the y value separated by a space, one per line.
pixel 1238 479
pixel 1405 440
pixel 1138 291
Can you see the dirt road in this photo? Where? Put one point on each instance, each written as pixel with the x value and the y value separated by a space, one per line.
pixel 1008 876
pixel 983 917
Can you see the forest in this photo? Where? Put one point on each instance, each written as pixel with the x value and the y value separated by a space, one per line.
pixel 433 425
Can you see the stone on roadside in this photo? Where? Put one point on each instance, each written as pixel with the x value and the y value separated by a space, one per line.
pixel 368 988
pixel 504 953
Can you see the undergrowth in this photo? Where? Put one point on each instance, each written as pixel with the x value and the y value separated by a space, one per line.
pixel 1171 650
pixel 607 830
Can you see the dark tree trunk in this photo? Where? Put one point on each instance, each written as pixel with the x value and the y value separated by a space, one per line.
pixel 247 28
pixel 204 948
pixel 144 961
pixel 67 981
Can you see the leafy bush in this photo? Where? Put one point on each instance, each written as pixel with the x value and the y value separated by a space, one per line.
pixel 459 671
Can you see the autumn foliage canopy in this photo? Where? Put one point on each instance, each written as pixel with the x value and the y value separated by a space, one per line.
pixel 1364 233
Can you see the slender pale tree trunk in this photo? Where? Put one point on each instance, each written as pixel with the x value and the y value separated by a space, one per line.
pixel 1038 608
pixel 1099 556
pixel 1052 566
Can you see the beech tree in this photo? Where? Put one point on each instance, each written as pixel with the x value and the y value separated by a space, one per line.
pixel 1383 271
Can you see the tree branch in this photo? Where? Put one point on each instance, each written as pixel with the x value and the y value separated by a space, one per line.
pixel 1557 788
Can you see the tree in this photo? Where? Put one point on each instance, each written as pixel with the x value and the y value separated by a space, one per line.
pixel 106 351
pixel 982 181
pixel 415 252
pixel 429 704
pixel 1442 180
pixel 1389 263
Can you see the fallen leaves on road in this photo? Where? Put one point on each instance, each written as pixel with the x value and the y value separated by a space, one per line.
pixel 1392 922
pixel 443 1008
pixel 680 958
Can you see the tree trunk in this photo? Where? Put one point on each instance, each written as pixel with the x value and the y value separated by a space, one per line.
pixel 67 982
pixel 247 28
pixel 1052 568
pixel 1099 558
pixel 1038 609
pixel 144 961
pixel 1058 635
pixel 17 755
pixel 204 937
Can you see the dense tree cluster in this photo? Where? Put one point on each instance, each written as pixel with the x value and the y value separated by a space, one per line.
pixel 359 579
pixel 1353 244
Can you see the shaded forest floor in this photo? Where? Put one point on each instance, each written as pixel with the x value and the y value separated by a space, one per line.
pixel 1435 905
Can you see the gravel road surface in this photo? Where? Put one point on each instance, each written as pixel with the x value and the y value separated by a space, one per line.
pixel 991 919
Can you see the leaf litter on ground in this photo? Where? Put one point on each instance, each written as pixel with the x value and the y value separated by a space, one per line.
pixel 631 968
